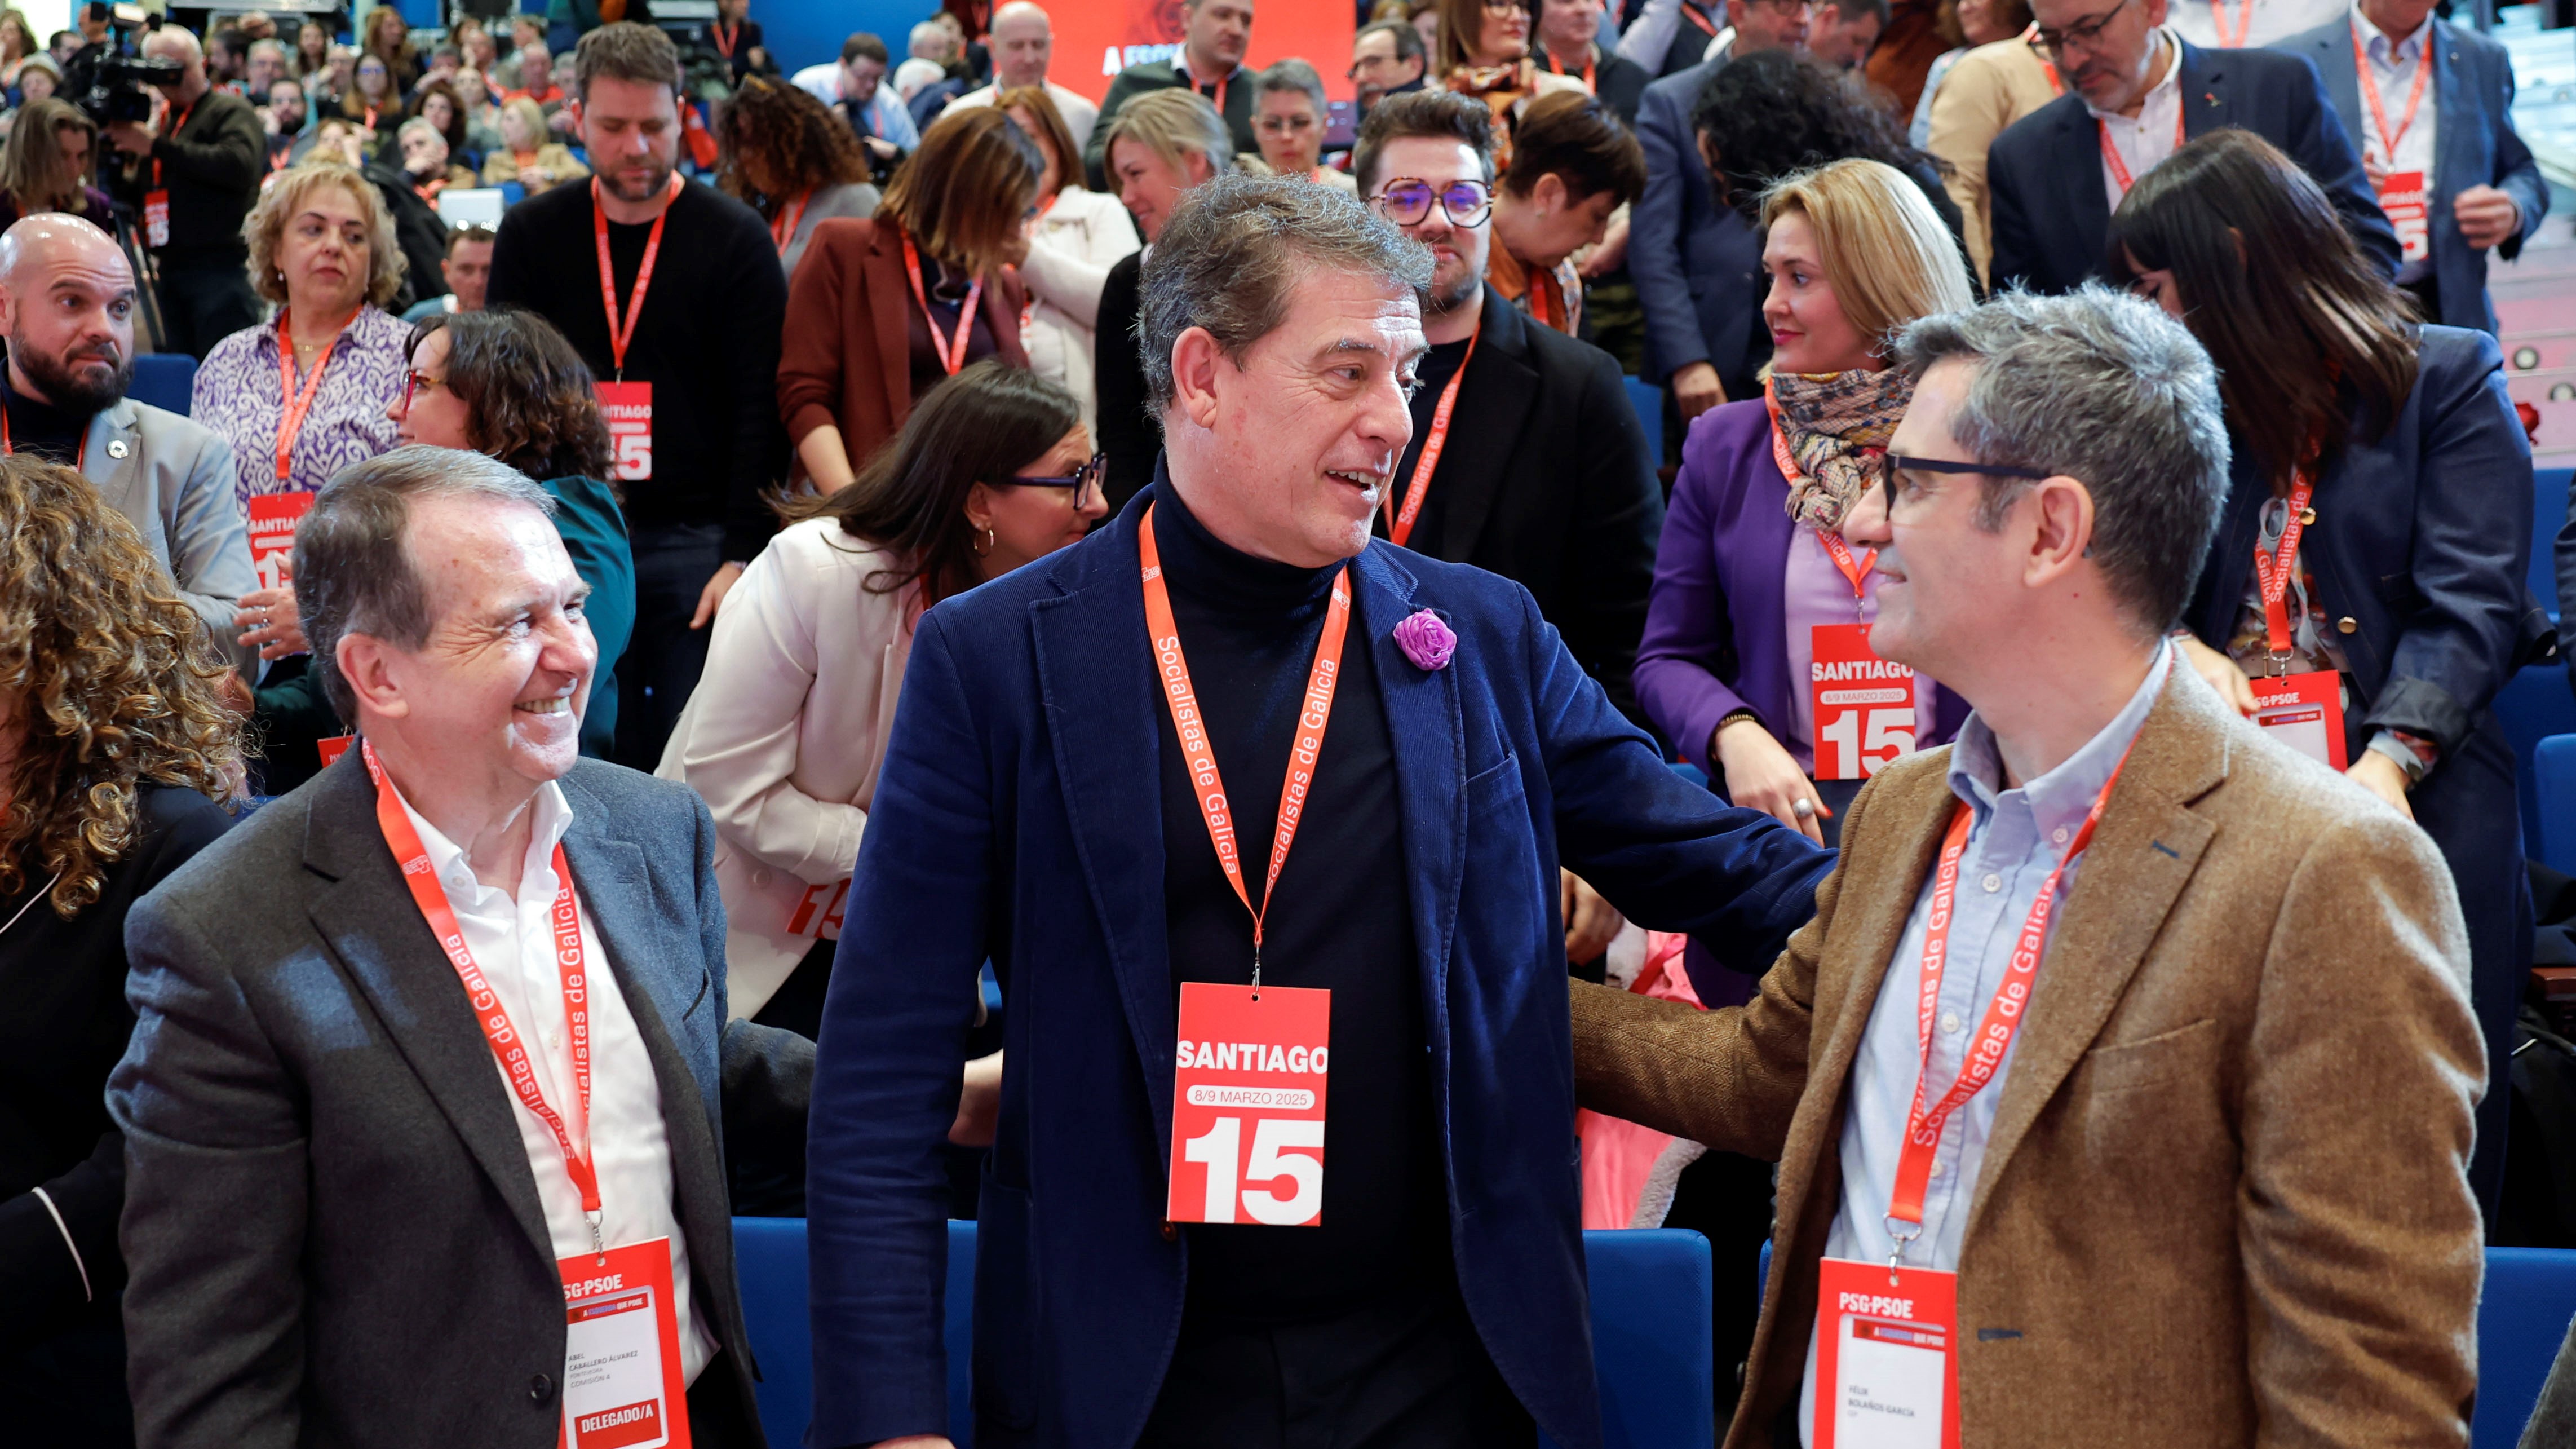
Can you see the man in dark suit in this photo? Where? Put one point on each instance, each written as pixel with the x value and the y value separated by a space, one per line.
pixel 368 1173
pixel 1527 459
pixel 1215 34
pixel 2478 187
pixel 1046 804
pixel 2135 92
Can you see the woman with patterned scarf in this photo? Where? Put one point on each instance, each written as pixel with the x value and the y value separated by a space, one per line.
pixel 1756 658
pixel 1485 53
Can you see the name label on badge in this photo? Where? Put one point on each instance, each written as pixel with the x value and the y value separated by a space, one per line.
pixel 156 218
pixel 1248 1105
pixel 818 911
pixel 1887 1357
pixel 2409 210
pixel 1864 705
pixel 629 406
pixel 2305 712
pixel 273 517
pixel 621 1384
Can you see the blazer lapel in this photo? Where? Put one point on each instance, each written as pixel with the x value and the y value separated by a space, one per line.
pixel 1495 399
pixel 894 324
pixel 2205 97
pixel 367 918
pixel 115 470
pixel 1429 743
pixel 2460 160
pixel 2079 154
pixel 2143 853
pixel 1096 681
pixel 2334 62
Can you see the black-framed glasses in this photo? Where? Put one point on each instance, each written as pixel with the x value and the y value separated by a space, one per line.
pixel 1080 482
pixel 2082 33
pixel 1891 464
pixel 1407 200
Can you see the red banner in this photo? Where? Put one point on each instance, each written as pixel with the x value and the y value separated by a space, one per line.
pixel 1095 42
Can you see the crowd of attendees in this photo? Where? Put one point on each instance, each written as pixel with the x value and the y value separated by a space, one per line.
pixel 794 361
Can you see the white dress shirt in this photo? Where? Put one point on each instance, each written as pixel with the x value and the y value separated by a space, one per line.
pixel 2198 20
pixel 2019 835
pixel 2146 140
pixel 514 944
pixel 2391 70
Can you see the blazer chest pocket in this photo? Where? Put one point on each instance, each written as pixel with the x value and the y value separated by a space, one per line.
pixel 2185 1055
pixel 1495 789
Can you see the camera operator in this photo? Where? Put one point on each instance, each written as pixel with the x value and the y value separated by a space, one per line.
pixel 192 183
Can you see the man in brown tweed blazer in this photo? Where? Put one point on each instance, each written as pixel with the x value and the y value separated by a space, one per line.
pixel 2214 1194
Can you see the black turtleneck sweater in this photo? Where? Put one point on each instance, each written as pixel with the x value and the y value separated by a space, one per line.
pixel 1340 919
pixel 43 429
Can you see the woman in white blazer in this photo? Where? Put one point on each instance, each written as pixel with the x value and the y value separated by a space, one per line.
pixel 787 728
pixel 1080 236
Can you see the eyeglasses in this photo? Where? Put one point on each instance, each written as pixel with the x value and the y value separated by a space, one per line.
pixel 1282 125
pixel 417 383
pixel 1082 482
pixel 1785 7
pixel 1407 200
pixel 1504 7
pixel 1891 464
pixel 2083 34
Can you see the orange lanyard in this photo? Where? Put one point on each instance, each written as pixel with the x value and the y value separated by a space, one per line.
pixel 2378 110
pixel 619 336
pixel 2047 67
pixel 81 459
pixel 509 1047
pixel 2003 1014
pixel 1223 84
pixel 2111 153
pixel 1558 66
pixel 782 228
pixel 725 42
pixel 2244 23
pixel 1399 522
pixel 296 403
pixel 2273 572
pixel 181 119
pixel 1191 727
pixel 952 353
pixel 1691 12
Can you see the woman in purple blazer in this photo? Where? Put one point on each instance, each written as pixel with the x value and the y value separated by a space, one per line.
pixel 1754 592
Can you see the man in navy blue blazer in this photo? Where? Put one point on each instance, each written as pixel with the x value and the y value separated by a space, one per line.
pixel 2135 91
pixel 2484 191
pixel 1057 781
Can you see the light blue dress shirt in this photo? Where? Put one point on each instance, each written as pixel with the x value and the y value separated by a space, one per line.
pixel 2018 836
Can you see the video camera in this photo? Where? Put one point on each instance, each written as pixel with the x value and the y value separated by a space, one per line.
pixel 109 78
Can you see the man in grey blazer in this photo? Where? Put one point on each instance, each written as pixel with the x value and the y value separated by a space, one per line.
pixel 67 300
pixel 2483 192
pixel 356 1205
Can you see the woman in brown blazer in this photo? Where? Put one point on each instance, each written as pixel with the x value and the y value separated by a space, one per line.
pixel 881 311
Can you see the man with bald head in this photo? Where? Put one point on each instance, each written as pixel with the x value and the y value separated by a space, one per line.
pixel 67 302
pixel 1022 43
pixel 192 181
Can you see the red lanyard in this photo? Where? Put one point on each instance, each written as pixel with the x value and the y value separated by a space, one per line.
pixel 181 119
pixel 508 1046
pixel 81 460
pixel 2273 572
pixel 1558 66
pixel 1191 727
pixel 2244 23
pixel 2111 153
pixel 1692 13
pixel 725 42
pixel 1399 522
pixel 1546 297
pixel 2003 1015
pixel 2047 67
pixel 2378 110
pixel 619 336
pixel 782 228
pixel 296 403
pixel 952 353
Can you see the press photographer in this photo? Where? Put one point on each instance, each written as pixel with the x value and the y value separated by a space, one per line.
pixel 190 179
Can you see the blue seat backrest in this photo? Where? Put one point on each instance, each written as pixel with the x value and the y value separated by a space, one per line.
pixel 2522 1319
pixel 164 380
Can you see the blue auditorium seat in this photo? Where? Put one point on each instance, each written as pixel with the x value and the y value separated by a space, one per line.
pixel 1648 400
pixel 164 380
pixel 2553 782
pixel 2522 1319
pixel 2548 511
pixel 2532 706
pixel 1651 1335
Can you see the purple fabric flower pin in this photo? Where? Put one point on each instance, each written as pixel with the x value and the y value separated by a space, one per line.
pixel 1426 641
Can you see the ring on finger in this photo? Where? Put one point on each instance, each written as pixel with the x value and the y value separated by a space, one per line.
pixel 1804 809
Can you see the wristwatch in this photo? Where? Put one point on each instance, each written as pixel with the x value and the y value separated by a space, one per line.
pixel 2402 754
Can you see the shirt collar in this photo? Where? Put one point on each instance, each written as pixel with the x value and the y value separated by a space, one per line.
pixel 2171 84
pixel 552 818
pixel 2386 51
pixel 2064 795
pixel 1181 68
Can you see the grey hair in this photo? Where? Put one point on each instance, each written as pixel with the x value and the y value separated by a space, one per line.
pixel 1236 248
pixel 1293 74
pixel 2106 389
pixel 354 571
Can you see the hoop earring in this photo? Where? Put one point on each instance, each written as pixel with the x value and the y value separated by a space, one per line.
pixel 990 543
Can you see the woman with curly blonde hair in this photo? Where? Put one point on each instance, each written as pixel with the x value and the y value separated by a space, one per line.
pixel 793 160
pixel 114 749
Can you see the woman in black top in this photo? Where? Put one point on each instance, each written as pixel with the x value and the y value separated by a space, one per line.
pixel 114 749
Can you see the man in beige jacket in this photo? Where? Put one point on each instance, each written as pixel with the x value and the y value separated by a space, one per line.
pixel 2190 1152
pixel 1981 95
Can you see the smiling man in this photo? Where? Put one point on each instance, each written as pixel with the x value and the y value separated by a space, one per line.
pixel 1089 768
pixel 431 1048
